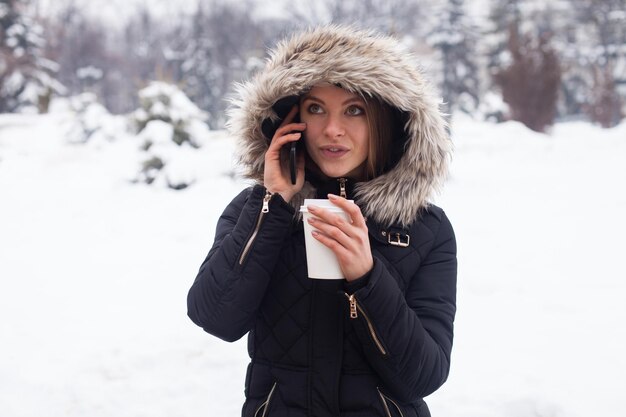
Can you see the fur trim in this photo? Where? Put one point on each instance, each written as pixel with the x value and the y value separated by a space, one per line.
pixel 368 64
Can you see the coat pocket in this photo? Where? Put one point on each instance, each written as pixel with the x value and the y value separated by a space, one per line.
pixel 355 308
pixel 391 408
pixel 261 411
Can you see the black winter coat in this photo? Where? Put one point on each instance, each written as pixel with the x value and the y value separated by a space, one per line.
pixel 311 353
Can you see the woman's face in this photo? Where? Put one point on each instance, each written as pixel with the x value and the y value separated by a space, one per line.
pixel 337 132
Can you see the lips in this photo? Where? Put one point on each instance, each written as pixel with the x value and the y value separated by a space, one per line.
pixel 334 151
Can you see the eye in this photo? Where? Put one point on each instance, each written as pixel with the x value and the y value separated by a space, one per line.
pixel 315 109
pixel 355 111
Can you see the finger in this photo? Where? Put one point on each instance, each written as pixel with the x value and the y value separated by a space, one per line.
pixel 335 220
pixel 354 211
pixel 278 142
pixel 329 230
pixel 350 237
pixel 290 116
pixel 331 244
pixel 289 128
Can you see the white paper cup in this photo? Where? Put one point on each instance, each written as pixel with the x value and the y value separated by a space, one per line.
pixel 321 261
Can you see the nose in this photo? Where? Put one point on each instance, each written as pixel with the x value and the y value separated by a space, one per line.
pixel 334 127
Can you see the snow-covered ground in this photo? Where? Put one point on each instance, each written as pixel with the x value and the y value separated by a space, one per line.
pixel 94 272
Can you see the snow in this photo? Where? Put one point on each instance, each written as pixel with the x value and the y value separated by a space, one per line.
pixel 94 272
pixel 163 100
pixel 539 221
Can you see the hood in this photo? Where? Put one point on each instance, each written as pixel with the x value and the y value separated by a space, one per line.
pixel 365 63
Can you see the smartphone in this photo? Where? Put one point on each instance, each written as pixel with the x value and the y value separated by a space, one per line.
pixel 269 127
pixel 293 169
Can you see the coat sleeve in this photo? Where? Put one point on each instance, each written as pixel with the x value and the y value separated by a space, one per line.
pixel 230 284
pixel 407 338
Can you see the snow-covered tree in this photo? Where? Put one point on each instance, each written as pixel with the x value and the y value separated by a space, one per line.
pixel 26 76
pixel 169 126
pixel 145 38
pixel 79 45
pixel 397 17
pixel 211 55
pixel 504 16
pixel 455 38
pixel 602 40
pixel 605 104
pixel 199 67
pixel 90 122
pixel 558 20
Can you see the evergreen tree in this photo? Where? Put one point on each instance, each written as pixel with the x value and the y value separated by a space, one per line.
pixel 504 15
pixel 558 20
pixel 455 39
pixel 169 125
pixel 200 71
pixel 26 76
pixel 605 104
pixel 209 55
pixel 603 37
pixel 396 17
pixel 79 45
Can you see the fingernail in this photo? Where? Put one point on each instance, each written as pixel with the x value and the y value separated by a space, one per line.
pixel 332 196
pixel 312 208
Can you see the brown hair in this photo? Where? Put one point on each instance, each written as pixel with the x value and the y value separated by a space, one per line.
pixel 379 121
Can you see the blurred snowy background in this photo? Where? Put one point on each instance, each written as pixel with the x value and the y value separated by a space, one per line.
pixel 114 168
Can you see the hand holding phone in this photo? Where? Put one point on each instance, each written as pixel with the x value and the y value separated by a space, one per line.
pixel 284 171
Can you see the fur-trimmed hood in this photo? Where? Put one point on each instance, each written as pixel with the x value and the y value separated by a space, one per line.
pixel 368 64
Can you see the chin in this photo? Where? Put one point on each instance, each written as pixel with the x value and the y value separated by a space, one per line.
pixel 335 172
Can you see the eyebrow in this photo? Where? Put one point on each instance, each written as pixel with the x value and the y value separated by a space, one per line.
pixel 349 100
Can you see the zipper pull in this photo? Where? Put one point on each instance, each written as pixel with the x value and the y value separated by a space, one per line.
pixel 353 312
pixel 342 187
pixel 266 202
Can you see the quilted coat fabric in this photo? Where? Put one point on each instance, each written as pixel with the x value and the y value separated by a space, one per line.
pixel 372 347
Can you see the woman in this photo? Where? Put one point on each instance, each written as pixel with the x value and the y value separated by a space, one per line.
pixel 379 341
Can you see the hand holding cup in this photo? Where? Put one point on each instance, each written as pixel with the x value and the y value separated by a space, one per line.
pixel 347 237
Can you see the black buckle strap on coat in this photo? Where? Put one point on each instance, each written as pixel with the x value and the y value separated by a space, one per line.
pixel 398 237
pixel 393 236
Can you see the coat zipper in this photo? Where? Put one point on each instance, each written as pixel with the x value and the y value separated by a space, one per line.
pixel 266 403
pixel 354 309
pixel 384 398
pixel 264 210
pixel 342 188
